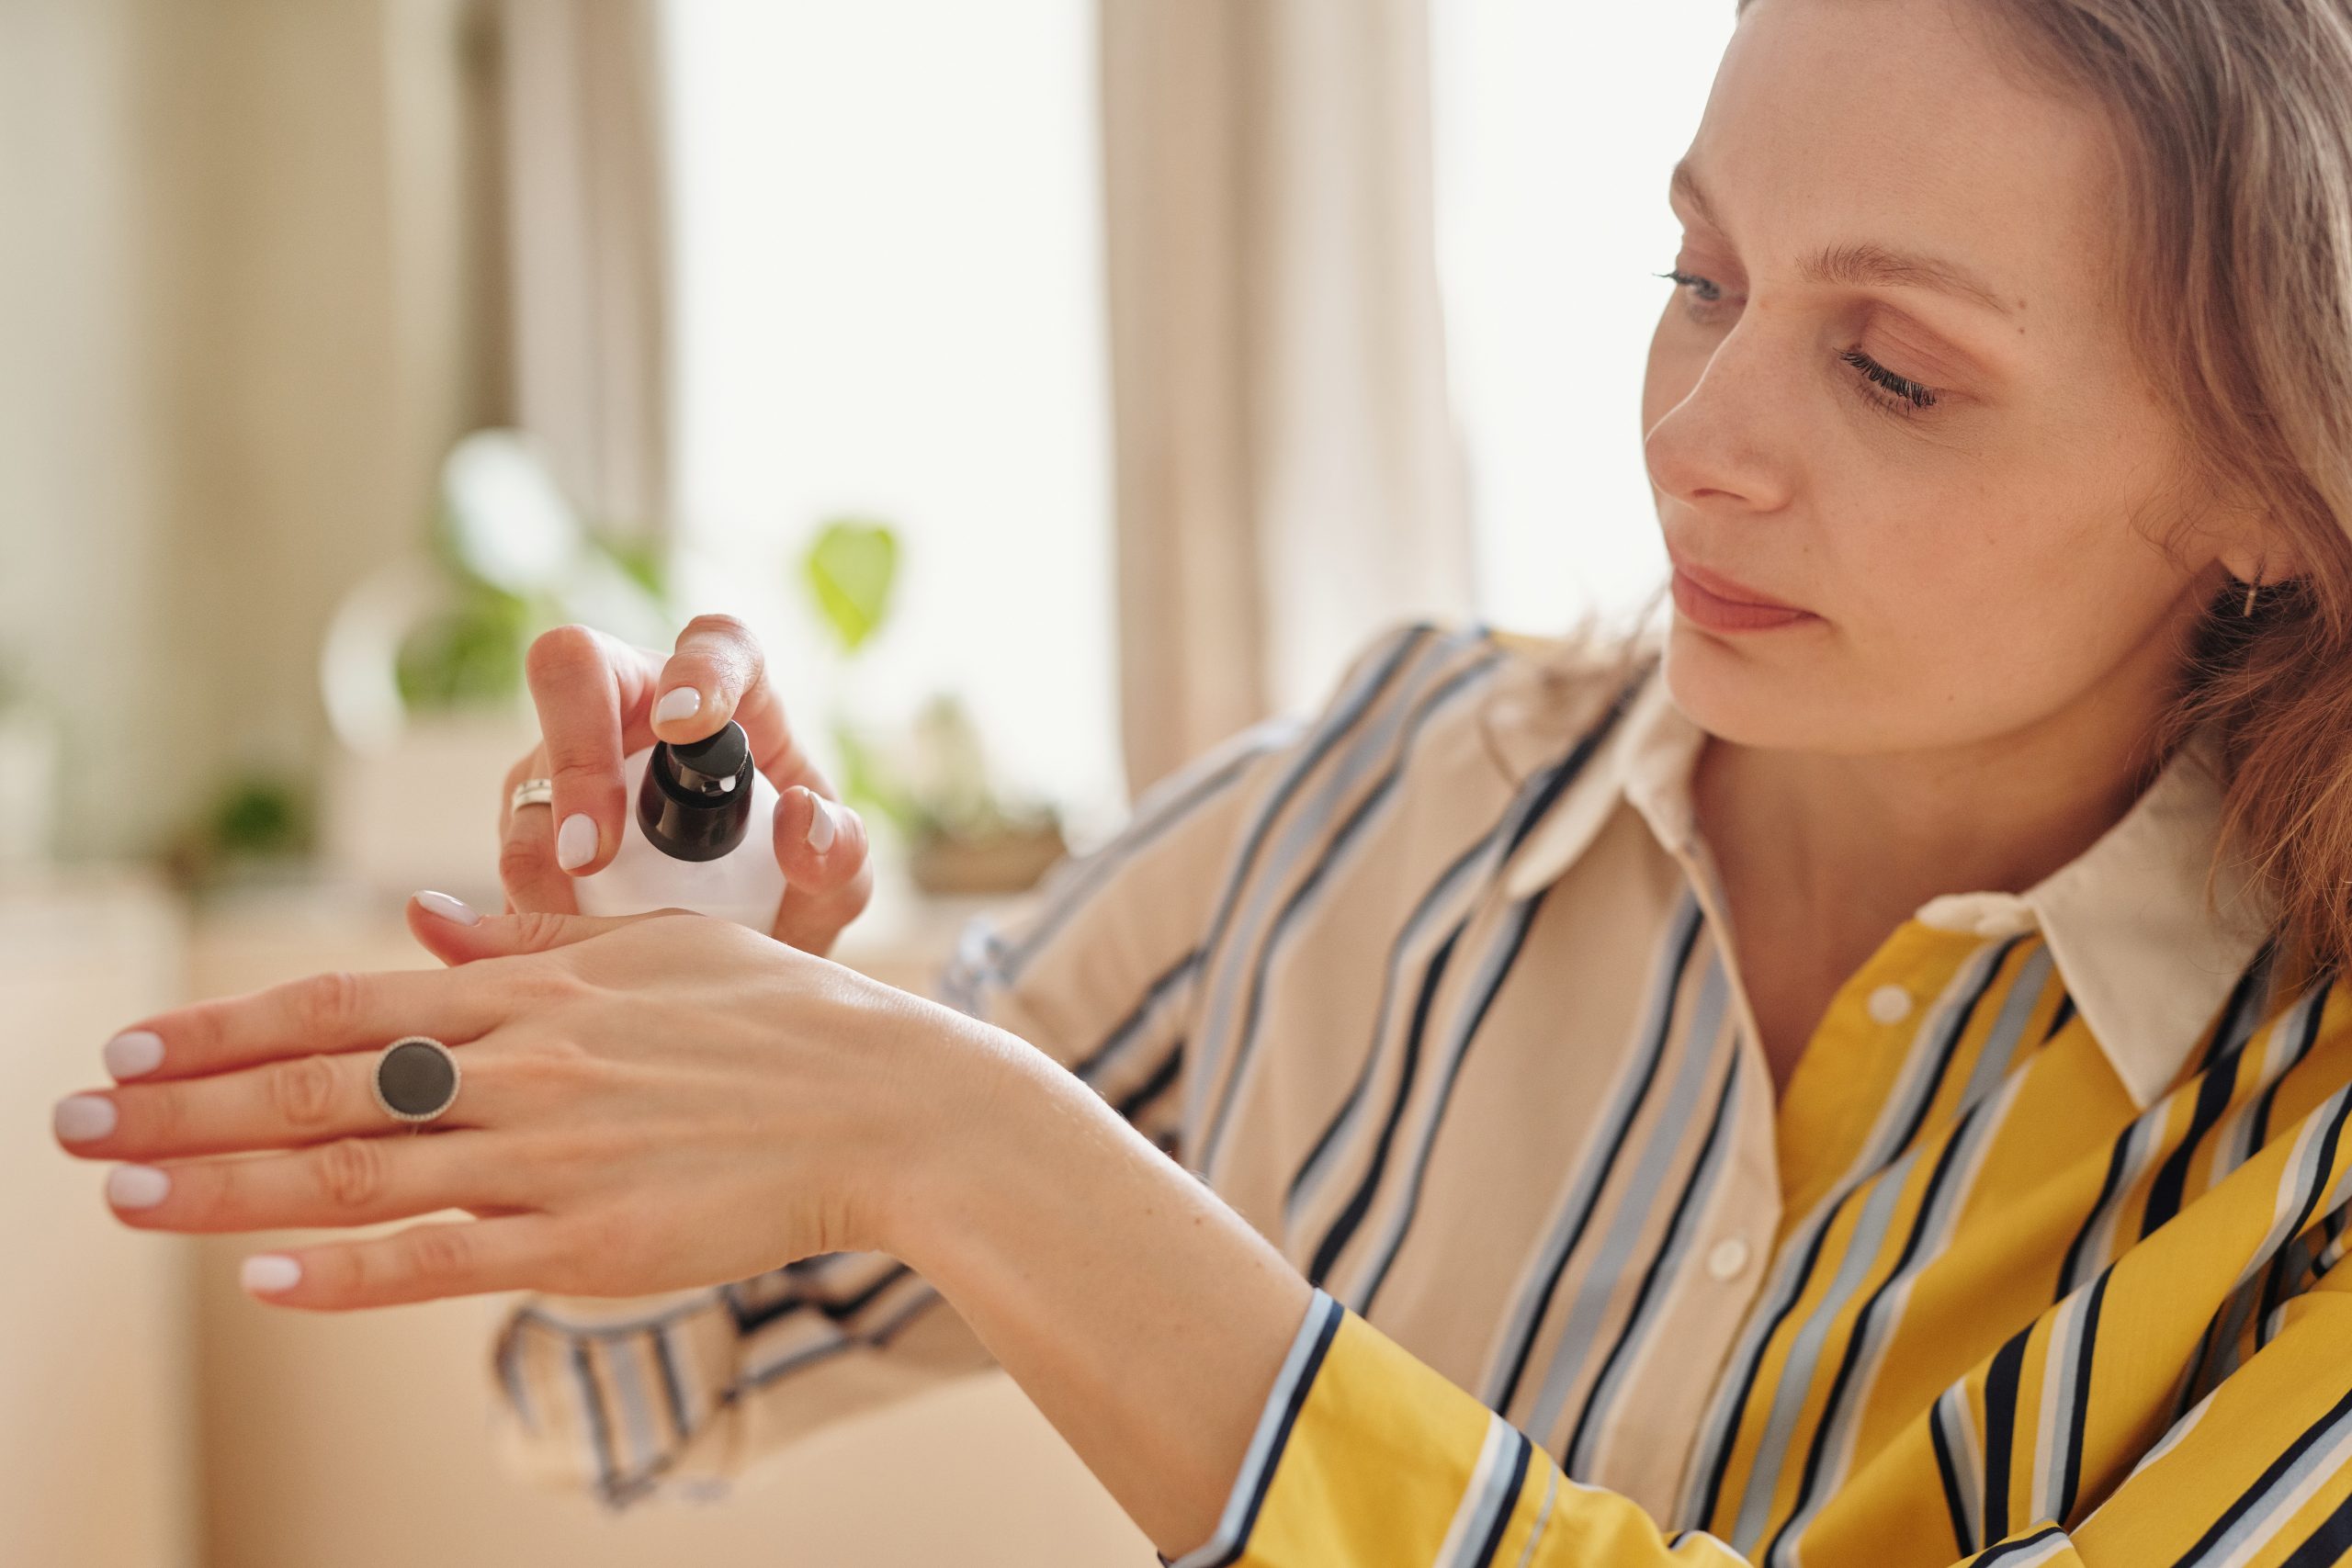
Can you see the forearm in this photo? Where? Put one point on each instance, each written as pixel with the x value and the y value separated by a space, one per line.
pixel 1145 1318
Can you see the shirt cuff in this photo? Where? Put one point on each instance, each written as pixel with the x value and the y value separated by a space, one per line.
pixel 1307 1348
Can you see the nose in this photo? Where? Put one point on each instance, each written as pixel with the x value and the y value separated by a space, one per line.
pixel 1732 437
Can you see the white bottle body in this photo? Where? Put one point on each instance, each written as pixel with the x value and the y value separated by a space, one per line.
pixel 745 884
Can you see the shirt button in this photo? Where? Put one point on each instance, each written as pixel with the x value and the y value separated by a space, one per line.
pixel 1727 1258
pixel 1889 1004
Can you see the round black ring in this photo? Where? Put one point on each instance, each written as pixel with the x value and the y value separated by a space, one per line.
pixel 415 1079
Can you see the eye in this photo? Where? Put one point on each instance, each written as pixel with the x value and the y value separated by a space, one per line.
pixel 1909 397
pixel 1900 395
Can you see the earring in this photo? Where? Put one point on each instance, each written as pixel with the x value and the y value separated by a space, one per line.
pixel 2249 599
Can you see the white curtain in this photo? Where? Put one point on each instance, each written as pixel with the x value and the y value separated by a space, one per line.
pixel 1289 476
pixel 586 235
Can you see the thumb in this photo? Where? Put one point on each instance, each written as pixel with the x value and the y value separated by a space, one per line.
pixel 456 932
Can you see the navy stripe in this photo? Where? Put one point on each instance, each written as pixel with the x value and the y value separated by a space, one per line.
pixel 2078 1417
pixel 1090 1068
pixel 2213 1093
pixel 1152 1087
pixel 1245 1037
pixel 1522 1451
pixel 1858 1336
pixel 2119 1159
pixel 600 1426
pixel 1745 1384
pixel 673 1391
pixel 2062 1018
pixel 1654 1055
pixel 1087 875
pixel 1523 918
pixel 2018 1546
pixel 2000 1427
pixel 1264 1482
pixel 1436 893
pixel 1963 1528
pixel 1345 1226
pixel 1670 1246
pixel 1340 722
pixel 2331 1543
pixel 2269 1477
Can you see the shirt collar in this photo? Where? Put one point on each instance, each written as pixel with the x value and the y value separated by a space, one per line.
pixel 2147 963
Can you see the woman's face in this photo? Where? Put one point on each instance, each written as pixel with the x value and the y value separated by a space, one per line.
pixel 1981 555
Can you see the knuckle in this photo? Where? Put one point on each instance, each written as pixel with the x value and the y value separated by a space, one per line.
pixel 537 928
pixel 302 1091
pixel 522 860
pixel 562 652
pixel 437 1252
pixel 351 1172
pixel 326 1004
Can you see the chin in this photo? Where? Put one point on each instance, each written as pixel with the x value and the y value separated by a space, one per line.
pixel 1754 690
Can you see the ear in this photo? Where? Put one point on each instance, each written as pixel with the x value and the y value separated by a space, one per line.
pixel 456 934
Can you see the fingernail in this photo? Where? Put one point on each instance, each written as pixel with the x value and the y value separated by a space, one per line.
pixel 137 1186
pixel 678 702
pixel 449 908
pixel 820 824
pixel 576 841
pixel 81 1117
pixel 133 1052
pixel 270 1272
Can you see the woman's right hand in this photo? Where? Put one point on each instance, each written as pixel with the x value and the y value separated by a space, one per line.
pixel 599 700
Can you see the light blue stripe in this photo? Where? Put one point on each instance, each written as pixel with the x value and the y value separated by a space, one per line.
pixel 1436 910
pixel 1234 936
pixel 1252 948
pixel 1490 1483
pixel 1320 1308
pixel 1625 1104
pixel 637 1414
pixel 1633 1208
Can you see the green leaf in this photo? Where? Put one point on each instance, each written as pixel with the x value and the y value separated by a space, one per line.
pixel 850 568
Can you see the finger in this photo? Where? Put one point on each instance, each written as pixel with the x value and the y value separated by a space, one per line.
pixel 582 682
pixel 526 867
pixel 825 887
pixel 341 1010
pixel 282 1104
pixel 423 1263
pixel 351 1181
pixel 454 939
pixel 720 667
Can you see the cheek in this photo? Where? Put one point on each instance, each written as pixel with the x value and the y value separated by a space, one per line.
pixel 1980 617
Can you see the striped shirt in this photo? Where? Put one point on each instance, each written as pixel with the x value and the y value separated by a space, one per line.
pixel 2030 1259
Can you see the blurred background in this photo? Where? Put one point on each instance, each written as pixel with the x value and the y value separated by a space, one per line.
pixel 1056 386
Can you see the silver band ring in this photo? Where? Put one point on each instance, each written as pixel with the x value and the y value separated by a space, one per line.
pixel 532 792
pixel 416 1079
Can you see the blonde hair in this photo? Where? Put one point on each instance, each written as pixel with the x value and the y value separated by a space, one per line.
pixel 2233 121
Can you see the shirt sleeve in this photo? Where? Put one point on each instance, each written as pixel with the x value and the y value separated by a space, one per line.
pixel 1365 1457
pixel 1095 966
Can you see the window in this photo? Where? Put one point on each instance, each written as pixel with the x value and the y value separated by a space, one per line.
pixel 1556 128
pixel 886 267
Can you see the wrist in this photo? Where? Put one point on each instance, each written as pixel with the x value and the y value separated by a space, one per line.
pixel 977 1125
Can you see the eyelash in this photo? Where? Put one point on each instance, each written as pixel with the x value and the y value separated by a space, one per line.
pixel 1909 397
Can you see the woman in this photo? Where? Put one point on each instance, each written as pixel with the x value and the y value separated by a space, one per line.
pixel 1864 1086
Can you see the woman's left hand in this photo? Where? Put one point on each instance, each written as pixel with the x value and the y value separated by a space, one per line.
pixel 646 1103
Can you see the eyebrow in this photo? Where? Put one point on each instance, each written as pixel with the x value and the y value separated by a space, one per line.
pixel 1864 264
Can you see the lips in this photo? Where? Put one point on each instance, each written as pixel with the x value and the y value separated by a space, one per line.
pixel 1725 604
pixel 1729 589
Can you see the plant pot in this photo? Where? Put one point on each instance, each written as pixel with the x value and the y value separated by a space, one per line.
pixel 946 863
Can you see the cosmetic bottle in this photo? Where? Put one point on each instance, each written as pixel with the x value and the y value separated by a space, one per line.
pixel 699 836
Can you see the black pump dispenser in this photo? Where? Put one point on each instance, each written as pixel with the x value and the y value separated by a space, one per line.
pixel 696 801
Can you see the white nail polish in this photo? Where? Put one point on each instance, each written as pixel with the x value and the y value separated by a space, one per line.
pixel 81 1117
pixel 449 908
pixel 576 841
pixel 268 1273
pixel 820 825
pixel 137 1186
pixel 679 702
pixel 133 1052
